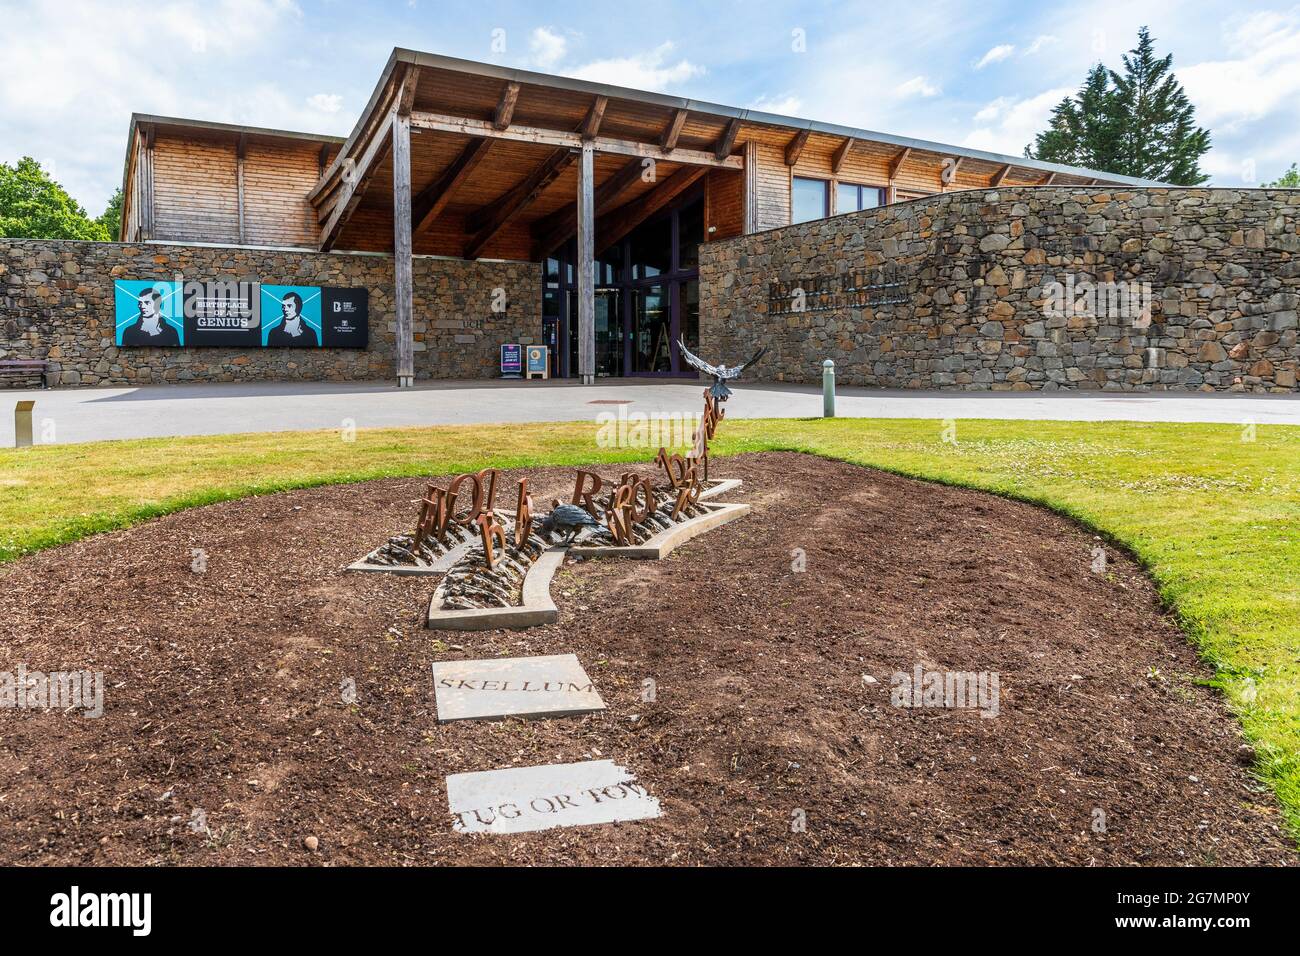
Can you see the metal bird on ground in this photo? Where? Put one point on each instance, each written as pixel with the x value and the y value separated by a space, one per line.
pixel 568 518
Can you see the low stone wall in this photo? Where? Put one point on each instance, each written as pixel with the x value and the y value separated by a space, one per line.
pixel 956 291
pixel 56 303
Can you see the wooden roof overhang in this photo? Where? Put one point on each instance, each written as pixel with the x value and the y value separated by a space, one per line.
pixel 492 169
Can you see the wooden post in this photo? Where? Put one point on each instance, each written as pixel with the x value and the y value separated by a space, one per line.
pixel 241 149
pixel 586 267
pixel 402 277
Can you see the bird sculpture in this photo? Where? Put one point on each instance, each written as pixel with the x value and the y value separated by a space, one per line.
pixel 568 518
pixel 721 373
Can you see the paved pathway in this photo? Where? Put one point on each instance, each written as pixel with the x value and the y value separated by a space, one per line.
pixel 79 415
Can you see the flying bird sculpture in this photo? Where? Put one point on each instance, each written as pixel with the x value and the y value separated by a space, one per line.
pixel 570 518
pixel 721 373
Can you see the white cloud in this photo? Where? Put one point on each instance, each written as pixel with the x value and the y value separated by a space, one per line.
pixel 1262 77
pixel 785 105
pixel 73 71
pixel 994 109
pixel 996 55
pixel 326 102
pixel 547 47
pixel 918 86
pixel 642 71
pixel 1040 43
pixel 1011 124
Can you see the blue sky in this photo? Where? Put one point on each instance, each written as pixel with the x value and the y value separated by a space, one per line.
pixel 979 74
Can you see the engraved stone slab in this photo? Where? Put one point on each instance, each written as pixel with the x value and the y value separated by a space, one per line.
pixel 522 799
pixel 554 686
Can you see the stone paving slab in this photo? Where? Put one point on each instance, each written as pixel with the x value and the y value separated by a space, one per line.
pixel 523 799
pixel 552 686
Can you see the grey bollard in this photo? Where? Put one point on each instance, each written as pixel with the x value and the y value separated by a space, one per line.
pixel 828 389
pixel 23 424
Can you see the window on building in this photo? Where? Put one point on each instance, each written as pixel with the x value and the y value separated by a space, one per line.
pixel 809 199
pixel 850 197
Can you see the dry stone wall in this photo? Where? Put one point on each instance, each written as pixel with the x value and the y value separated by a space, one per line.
pixel 1021 288
pixel 56 303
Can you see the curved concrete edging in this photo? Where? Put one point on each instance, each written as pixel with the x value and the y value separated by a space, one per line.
pixel 662 544
pixel 537 608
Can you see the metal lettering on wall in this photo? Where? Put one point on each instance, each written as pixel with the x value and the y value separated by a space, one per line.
pixel 865 289
pixel 228 314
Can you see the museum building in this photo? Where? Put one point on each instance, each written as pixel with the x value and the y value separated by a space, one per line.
pixel 476 207
pixel 611 191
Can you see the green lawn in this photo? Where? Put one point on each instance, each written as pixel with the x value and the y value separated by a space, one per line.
pixel 1214 517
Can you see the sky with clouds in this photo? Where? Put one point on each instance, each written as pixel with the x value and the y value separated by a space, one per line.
pixel 984 75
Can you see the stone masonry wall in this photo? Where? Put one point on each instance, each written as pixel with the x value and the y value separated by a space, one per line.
pixel 56 303
pixel 955 291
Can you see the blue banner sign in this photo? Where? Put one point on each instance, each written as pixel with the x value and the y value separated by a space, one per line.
pixel 239 315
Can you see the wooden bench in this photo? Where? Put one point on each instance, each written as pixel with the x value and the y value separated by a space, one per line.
pixel 25 368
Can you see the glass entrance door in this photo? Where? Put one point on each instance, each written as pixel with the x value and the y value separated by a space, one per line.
pixel 609 332
pixel 652 348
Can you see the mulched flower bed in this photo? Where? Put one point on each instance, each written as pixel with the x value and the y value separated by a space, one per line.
pixel 227 691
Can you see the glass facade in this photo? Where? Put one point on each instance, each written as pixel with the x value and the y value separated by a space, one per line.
pixel 850 197
pixel 809 199
pixel 647 294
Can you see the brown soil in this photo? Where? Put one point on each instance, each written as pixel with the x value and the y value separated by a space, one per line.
pixel 224 692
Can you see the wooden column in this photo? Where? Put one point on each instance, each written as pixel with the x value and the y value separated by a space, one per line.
pixel 241 151
pixel 586 266
pixel 751 187
pixel 402 277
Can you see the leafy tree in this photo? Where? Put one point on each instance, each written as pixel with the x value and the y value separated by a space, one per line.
pixel 1288 180
pixel 33 206
pixel 1139 123
pixel 111 218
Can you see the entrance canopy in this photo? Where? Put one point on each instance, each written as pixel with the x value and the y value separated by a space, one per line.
pixel 494 161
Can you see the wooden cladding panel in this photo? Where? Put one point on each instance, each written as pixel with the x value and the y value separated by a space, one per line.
pixel 772 186
pixel 724 204
pixel 195 191
pixel 277 178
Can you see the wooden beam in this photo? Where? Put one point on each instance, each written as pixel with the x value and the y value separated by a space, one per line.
pixel 1051 178
pixel 330 179
pixel 429 204
pixel 1001 175
pixel 610 229
pixel 241 151
pixel 794 148
pixel 591 125
pixel 403 279
pixel 353 184
pixel 897 162
pixel 323 159
pixel 444 123
pixel 490 221
pixel 586 259
pixel 841 154
pixel 895 165
pixel 505 111
pixel 952 177
pixel 727 141
pixel 406 98
pixel 556 229
pixel 668 141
